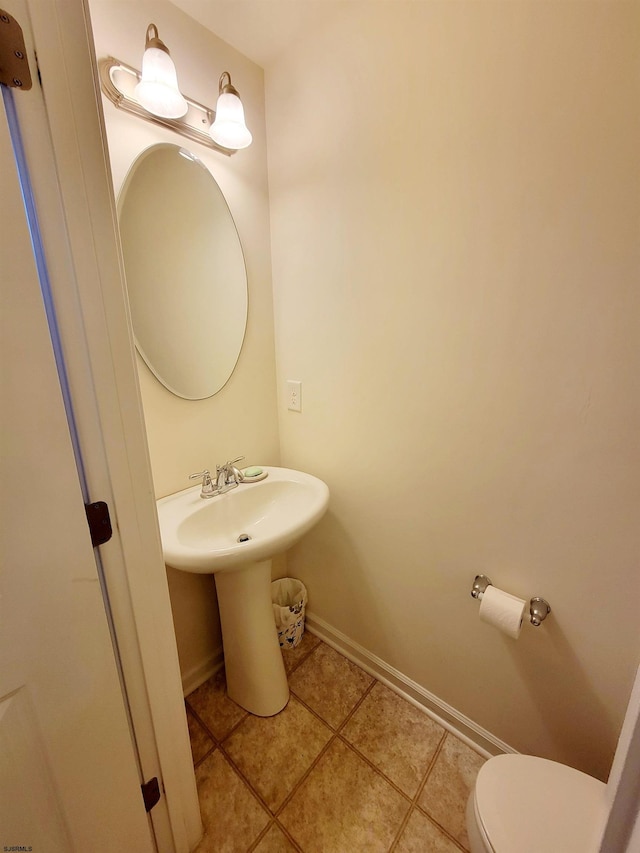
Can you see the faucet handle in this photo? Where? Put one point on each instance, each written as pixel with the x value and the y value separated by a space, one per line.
pixel 208 490
pixel 236 473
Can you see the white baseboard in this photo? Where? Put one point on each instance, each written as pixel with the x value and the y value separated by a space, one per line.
pixel 198 674
pixel 462 727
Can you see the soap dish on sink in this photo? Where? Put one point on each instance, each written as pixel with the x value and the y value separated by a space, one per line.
pixel 256 478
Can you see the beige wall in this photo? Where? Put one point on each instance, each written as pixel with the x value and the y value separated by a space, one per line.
pixel 454 206
pixel 186 436
pixel 454 201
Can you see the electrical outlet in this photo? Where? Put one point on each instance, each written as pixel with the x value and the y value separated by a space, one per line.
pixel 294 395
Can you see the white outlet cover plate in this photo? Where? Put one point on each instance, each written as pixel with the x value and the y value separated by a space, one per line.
pixel 294 395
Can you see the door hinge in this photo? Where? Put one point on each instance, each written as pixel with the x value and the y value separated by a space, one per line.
pixel 14 66
pixel 150 793
pixel 99 522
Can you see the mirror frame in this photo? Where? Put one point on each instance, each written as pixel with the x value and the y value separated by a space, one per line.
pixel 218 195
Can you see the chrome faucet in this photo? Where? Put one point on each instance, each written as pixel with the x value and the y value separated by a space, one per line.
pixel 208 490
pixel 228 476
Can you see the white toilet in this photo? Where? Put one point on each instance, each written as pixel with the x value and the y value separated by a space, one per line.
pixel 523 804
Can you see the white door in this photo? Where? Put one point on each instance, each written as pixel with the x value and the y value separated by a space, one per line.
pixel 64 150
pixel 69 778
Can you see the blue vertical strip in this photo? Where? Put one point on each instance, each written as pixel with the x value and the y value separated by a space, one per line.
pixel 43 278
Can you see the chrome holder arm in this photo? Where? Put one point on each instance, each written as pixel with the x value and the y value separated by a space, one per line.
pixel 539 609
pixel 480 584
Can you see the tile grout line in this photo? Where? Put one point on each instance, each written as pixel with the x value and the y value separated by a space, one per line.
pixel 210 735
pixel 315 762
pixel 423 811
pixel 275 822
pixel 213 737
pixel 356 706
pixel 429 769
pixel 336 733
pixel 200 761
pixel 252 791
pixel 444 831
pixel 379 772
pixel 218 743
pixel 235 727
pixel 414 799
pixel 246 781
pixel 315 713
pixel 334 729
pixel 194 714
pixel 260 836
pixel 274 814
pixel 302 659
pixel 288 836
pixel 304 776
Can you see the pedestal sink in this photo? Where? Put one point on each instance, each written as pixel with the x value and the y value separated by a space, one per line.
pixel 234 536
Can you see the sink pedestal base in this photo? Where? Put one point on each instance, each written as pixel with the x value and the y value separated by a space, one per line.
pixel 256 677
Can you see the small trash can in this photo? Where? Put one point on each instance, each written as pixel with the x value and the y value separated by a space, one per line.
pixel 289 599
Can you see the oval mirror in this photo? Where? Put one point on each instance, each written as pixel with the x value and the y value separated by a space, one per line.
pixel 185 269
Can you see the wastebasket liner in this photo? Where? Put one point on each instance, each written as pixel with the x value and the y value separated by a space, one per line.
pixel 289 598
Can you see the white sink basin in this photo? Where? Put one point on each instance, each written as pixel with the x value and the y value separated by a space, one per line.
pixel 202 535
pixel 210 535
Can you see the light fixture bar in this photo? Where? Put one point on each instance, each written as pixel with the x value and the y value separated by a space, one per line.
pixel 118 81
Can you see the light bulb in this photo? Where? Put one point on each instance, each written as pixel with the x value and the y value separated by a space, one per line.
pixel 158 90
pixel 229 129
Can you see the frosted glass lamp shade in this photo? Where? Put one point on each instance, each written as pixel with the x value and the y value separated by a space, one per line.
pixel 158 90
pixel 229 129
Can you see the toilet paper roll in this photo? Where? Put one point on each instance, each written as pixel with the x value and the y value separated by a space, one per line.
pixel 502 610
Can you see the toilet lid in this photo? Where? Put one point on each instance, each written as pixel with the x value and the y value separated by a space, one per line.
pixel 530 805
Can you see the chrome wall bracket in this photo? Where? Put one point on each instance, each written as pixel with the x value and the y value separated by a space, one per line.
pixel 539 609
pixel 480 584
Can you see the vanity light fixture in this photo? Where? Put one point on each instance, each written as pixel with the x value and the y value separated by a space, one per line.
pixel 229 129
pixel 154 96
pixel 158 90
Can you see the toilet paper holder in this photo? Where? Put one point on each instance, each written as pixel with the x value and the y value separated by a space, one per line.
pixel 539 609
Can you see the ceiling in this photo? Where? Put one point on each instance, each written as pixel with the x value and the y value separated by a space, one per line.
pixel 259 29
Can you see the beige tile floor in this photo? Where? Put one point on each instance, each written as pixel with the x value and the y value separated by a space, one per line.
pixel 347 766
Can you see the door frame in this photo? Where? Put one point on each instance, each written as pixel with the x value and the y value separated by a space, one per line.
pixel 72 187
